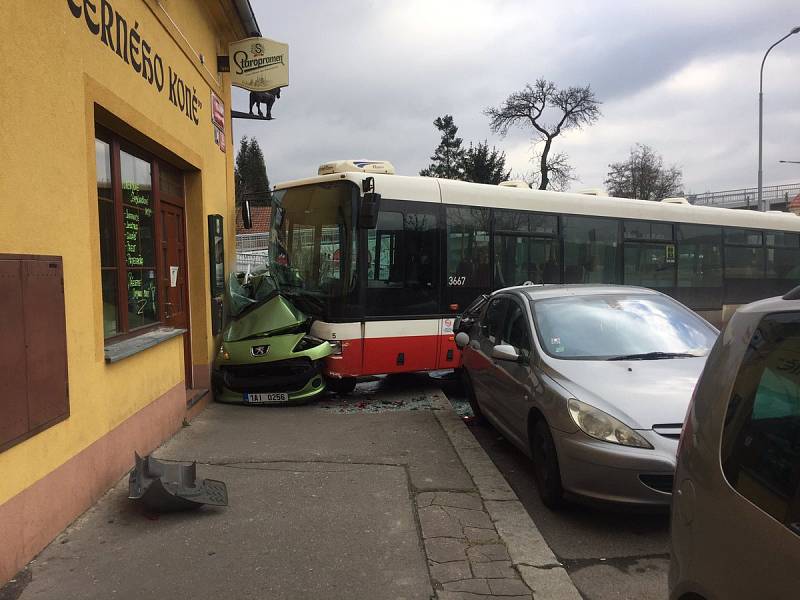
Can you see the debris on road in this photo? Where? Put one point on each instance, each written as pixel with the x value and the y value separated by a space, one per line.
pixel 168 487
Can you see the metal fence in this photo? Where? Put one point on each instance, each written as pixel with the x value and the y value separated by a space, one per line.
pixel 252 250
pixel 247 242
pixel 777 197
pixel 254 260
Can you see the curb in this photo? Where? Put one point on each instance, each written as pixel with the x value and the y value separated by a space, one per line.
pixel 531 556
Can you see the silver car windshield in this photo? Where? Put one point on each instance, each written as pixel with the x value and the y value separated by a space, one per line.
pixel 620 327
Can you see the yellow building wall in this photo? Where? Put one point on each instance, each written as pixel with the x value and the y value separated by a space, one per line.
pixel 55 72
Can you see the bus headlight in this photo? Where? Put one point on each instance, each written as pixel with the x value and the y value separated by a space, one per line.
pixel 602 426
pixel 307 342
pixel 337 347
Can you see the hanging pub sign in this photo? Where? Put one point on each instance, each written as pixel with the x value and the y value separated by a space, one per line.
pixel 258 64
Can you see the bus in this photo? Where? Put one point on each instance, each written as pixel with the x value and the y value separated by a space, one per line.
pixel 384 263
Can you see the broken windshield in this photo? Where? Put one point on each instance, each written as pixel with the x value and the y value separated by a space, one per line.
pixel 249 289
pixel 313 245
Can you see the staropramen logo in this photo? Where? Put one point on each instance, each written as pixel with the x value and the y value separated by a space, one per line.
pixel 259 64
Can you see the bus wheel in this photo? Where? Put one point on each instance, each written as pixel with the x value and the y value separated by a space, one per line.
pixel 343 385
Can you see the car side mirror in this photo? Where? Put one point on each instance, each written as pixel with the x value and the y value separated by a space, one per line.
pixel 505 352
pixel 247 217
pixel 462 339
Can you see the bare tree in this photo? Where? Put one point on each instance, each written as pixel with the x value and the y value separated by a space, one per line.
pixel 549 111
pixel 560 173
pixel 644 176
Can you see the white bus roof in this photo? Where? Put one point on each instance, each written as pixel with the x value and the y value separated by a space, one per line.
pixel 447 191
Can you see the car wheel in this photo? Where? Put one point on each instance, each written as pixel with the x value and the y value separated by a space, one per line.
pixel 343 385
pixel 545 466
pixel 470 392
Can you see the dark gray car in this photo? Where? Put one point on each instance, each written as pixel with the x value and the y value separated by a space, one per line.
pixel 592 382
pixel 736 513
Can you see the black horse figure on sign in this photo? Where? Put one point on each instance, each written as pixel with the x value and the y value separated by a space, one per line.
pixel 268 98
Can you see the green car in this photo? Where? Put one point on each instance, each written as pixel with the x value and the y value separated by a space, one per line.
pixel 266 355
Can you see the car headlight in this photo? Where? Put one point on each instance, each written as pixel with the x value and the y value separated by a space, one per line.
pixel 306 343
pixel 602 426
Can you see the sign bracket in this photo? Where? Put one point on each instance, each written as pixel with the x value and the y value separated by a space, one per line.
pixel 238 114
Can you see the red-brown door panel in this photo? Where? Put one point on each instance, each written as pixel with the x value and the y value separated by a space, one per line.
pixel 13 374
pixel 46 341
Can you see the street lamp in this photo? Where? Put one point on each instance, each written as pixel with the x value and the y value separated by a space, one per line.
pixel 761 206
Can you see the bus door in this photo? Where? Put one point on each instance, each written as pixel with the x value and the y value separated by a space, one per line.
pixel 401 331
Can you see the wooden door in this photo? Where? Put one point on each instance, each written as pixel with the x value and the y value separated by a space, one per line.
pixel 173 278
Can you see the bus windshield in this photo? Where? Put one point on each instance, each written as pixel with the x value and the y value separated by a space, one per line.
pixel 313 245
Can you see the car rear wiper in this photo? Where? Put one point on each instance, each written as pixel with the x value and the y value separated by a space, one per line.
pixel 654 356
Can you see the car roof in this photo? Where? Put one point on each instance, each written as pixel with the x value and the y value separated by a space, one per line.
pixel 539 291
pixel 788 302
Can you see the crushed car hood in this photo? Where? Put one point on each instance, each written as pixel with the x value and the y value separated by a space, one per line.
pixel 276 314
pixel 641 393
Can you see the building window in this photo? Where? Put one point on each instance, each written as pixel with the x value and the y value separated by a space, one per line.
pixel 590 250
pixel 126 210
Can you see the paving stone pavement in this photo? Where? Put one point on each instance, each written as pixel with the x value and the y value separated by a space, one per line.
pixel 466 558
pixel 504 552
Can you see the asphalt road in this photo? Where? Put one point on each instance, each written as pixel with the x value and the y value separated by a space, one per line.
pixel 611 554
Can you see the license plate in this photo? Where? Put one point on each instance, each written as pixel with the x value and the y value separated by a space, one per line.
pixel 266 398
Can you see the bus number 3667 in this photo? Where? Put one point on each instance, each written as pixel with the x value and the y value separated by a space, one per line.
pixel 456 280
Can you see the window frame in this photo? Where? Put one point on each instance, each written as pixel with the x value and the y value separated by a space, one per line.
pixel 118 144
pixel 650 239
pixel 619 267
pixel 531 350
pixel 370 293
pixel 738 428
pixel 504 301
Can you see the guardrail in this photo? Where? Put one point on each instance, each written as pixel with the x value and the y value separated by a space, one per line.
pixel 248 242
pixel 777 197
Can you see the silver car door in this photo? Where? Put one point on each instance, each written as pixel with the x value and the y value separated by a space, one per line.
pixel 511 392
pixel 481 367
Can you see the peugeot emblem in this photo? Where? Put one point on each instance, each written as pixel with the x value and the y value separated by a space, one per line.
pixel 259 350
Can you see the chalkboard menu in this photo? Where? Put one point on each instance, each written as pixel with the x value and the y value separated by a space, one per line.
pixel 138 224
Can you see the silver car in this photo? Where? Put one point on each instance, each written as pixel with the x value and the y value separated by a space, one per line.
pixel 736 515
pixel 592 382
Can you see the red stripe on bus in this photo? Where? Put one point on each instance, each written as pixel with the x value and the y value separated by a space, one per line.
pixel 377 356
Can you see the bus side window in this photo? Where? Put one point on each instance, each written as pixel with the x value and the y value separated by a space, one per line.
pixel 402 258
pixel 382 246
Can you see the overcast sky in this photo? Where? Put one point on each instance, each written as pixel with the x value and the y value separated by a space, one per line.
pixel 368 78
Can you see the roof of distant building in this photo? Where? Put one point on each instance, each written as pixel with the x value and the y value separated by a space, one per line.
pixel 261 216
pixel 794 205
